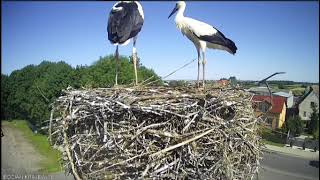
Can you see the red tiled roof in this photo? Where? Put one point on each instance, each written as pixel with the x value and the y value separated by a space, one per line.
pixel 277 102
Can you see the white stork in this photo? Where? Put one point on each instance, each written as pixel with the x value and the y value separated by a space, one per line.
pixel 202 35
pixel 125 22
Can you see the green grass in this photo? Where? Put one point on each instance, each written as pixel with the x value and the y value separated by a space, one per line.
pixel 298 91
pixel 287 87
pixel 294 86
pixel 50 162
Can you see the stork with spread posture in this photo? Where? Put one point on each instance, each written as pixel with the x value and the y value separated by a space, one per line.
pixel 202 35
pixel 125 22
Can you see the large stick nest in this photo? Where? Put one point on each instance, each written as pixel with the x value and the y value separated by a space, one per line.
pixel 157 133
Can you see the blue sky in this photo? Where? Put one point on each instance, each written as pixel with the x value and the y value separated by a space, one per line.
pixel 270 36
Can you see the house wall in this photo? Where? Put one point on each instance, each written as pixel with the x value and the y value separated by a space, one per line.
pixel 305 106
pixel 282 116
pixel 290 101
pixel 278 119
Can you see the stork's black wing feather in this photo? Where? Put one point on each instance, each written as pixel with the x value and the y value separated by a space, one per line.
pixel 125 23
pixel 219 39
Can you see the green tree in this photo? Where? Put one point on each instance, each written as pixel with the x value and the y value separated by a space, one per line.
pixel 5 91
pixel 233 80
pixel 280 86
pixel 19 84
pixel 102 73
pixel 314 120
pixel 52 78
pixel 33 88
pixel 27 93
pixel 295 125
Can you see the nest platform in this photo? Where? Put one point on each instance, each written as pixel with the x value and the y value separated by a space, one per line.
pixel 156 133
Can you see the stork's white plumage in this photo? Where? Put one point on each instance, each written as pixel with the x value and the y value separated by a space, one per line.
pixel 202 35
pixel 125 22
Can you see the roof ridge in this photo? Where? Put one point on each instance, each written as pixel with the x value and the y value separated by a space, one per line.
pixel 304 96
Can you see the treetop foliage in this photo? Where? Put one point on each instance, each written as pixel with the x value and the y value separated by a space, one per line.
pixel 27 93
pixel 295 125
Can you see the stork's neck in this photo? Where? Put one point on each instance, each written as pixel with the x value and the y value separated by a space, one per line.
pixel 180 15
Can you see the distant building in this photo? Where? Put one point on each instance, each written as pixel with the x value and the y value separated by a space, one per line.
pixel 223 82
pixel 304 103
pixel 275 113
pixel 288 96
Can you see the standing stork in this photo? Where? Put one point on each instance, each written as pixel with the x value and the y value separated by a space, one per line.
pixel 202 35
pixel 125 22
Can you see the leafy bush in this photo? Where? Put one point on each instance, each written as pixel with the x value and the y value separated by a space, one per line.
pixel 316 134
pixel 314 120
pixel 271 136
pixel 281 86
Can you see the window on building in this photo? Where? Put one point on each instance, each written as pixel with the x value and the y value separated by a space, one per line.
pixel 312 104
pixel 263 107
pixel 304 114
pixel 269 120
